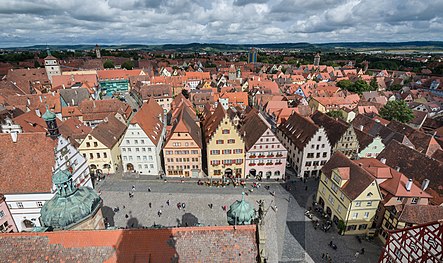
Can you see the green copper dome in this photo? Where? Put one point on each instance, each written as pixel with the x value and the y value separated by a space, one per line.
pixel 70 205
pixel 48 115
pixel 241 212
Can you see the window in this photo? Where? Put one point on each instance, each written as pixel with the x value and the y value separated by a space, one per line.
pixel 137 149
pixel 98 155
pixel 225 131
pixel 127 141
pixel 323 146
pixel 125 158
pixel 399 199
pixel 138 158
pixel 317 155
pixel 135 141
pixel 19 204
pixel 88 144
pixel 334 188
pixel 91 156
pixel 351 227
pixel 331 199
pixel 342 196
pixel 219 141
pixel 150 158
pixel 369 203
pixel 226 151
pixel 414 200
pixel 145 158
pixel 362 227
pixel 143 149
pixel 149 149
pixel 142 141
pixel 316 163
pixel 357 204
pixel 151 166
pixel 124 149
pixel 95 144
pixel 366 214
pixel 319 138
pixel 2 214
pixel 310 155
pixel 308 164
pixel 194 152
pixel 214 152
pixel 231 141
pixel 339 209
pixel 354 215
pixel 325 154
pixel 39 204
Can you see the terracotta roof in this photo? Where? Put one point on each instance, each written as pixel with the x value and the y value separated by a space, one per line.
pixel 150 118
pixel 180 99
pixel 253 128
pixel 30 122
pixel 26 165
pixel 359 179
pixel 211 122
pixel 299 129
pixel 186 123
pixel 438 155
pixel 155 91
pixel 74 130
pixel 36 101
pixel 23 77
pixel 99 109
pixel 109 74
pixel 421 214
pixel 335 129
pixel 417 166
pixel 7 88
pixel 69 80
pixel 220 243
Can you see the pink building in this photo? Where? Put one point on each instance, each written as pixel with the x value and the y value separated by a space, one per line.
pixel 6 222
pixel 265 155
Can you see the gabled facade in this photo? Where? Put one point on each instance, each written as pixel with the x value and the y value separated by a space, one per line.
pixel 183 147
pixel 341 135
pixel 224 146
pixel 348 194
pixel 265 154
pixel 307 145
pixel 142 143
pixel 100 147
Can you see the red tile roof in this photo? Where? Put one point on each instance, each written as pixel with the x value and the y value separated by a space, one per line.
pixel 187 244
pixel 150 119
pixel 26 165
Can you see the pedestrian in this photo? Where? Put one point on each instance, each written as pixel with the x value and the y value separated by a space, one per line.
pixel 306 188
pixel 129 194
pixel 179 206
pixel 167 202
pixel 126 216
pixel 323 256
pixel 356 254
pixel 362 251
pixel 133 188
pixel 149 189
pixel 289 199
pixel 124 207
pixel 183 205
pixel 150 205
pixel 276 209
pixel 330 243
pixel 210 206
pixel 159 213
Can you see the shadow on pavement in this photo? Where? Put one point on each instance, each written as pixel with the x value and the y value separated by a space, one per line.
pixel 108 215
pixel 188 219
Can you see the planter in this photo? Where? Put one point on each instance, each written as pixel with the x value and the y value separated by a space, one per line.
pixel 252 156
pixel 270 156
pixel 278 163
pixel 261 156
pixel 279 155
pixel 252 164
pixel 261 164
pixel 269 163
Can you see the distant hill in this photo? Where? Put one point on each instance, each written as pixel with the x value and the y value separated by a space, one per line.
pixel 213 47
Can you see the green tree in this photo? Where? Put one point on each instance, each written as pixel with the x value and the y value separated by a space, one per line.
pixel 395 87
pixel 37 64
pixel 373 84
pixel 128 64
pixel 345 84
pixel 335 114
pixel 360 86
pixel 397 110
pixel 108 64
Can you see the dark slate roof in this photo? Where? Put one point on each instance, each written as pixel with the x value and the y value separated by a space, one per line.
pixel 421 214
pixel 334 128
pixel 299 129
pixel 364 139
pixel 438 155
pixel 359 178
pixel 417 166
pixel 109 131
pixel 252 129
pixel 74 95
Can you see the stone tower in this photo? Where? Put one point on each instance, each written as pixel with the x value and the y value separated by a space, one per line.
pixel 72 207
pixel 51 66
pixel 97 51
pixel 51 122
pixel 317 60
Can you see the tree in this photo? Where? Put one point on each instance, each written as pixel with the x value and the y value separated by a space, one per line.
pixel 335 114
pixel 395 87
pixel 108 64
pixel 345 84
pixel 397 110
pixel 185 93
pixel 373 84
pixel 358 87
pixel 37 64
pixel 128 65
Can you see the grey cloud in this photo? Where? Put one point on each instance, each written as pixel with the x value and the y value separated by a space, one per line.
pixel 247 2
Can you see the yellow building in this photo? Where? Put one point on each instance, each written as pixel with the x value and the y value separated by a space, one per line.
pixel 101 146
pixel 224 146
pixel 349 194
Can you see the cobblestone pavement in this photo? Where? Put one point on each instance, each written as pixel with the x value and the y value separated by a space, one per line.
pixel 290 235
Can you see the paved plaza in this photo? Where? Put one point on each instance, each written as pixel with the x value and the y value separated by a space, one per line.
pixel 290 235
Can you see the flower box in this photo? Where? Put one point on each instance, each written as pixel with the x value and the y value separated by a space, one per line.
pixel 269 163
pixel 278 163
pixel 261 156
pixel 261 164
pixel 252 164
pixel 270 156
pixel 252 156
pixel 279 155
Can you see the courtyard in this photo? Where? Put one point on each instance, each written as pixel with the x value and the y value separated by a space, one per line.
pixel 291 236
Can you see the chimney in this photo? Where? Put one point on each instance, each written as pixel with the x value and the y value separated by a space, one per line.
pixel 93 102
pixel 105 119
pixel 28 102
pixel 63 85
pixel 72 102
pixel 397 168
pixel 37 112
pixel 40 97
pixel 409 185
pixel 360 127
pixel 383 160
pixel 425 184
pixel 14 136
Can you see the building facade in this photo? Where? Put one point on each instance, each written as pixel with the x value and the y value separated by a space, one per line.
pixel 142 142
pixel 7 224
pixel 307 145
pixel 349 195
pixel 52 67
pixel 183 147
pixel 265 154
pixel 224 146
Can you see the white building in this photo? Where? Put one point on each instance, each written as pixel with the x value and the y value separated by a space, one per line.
pixel 307 144
pixel 26 172
pixel 142 143
pixel 8 126
pixel 52 67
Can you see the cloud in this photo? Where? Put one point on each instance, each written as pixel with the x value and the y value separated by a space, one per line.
pixel 29 22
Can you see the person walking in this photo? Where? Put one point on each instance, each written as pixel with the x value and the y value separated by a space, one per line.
pixel 183 205
pixel 167 202
pixel 133 188
pixel 150 205
pixel 149 189
pixel 159 213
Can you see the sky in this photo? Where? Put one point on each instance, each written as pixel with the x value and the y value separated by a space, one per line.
pixel 54 22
